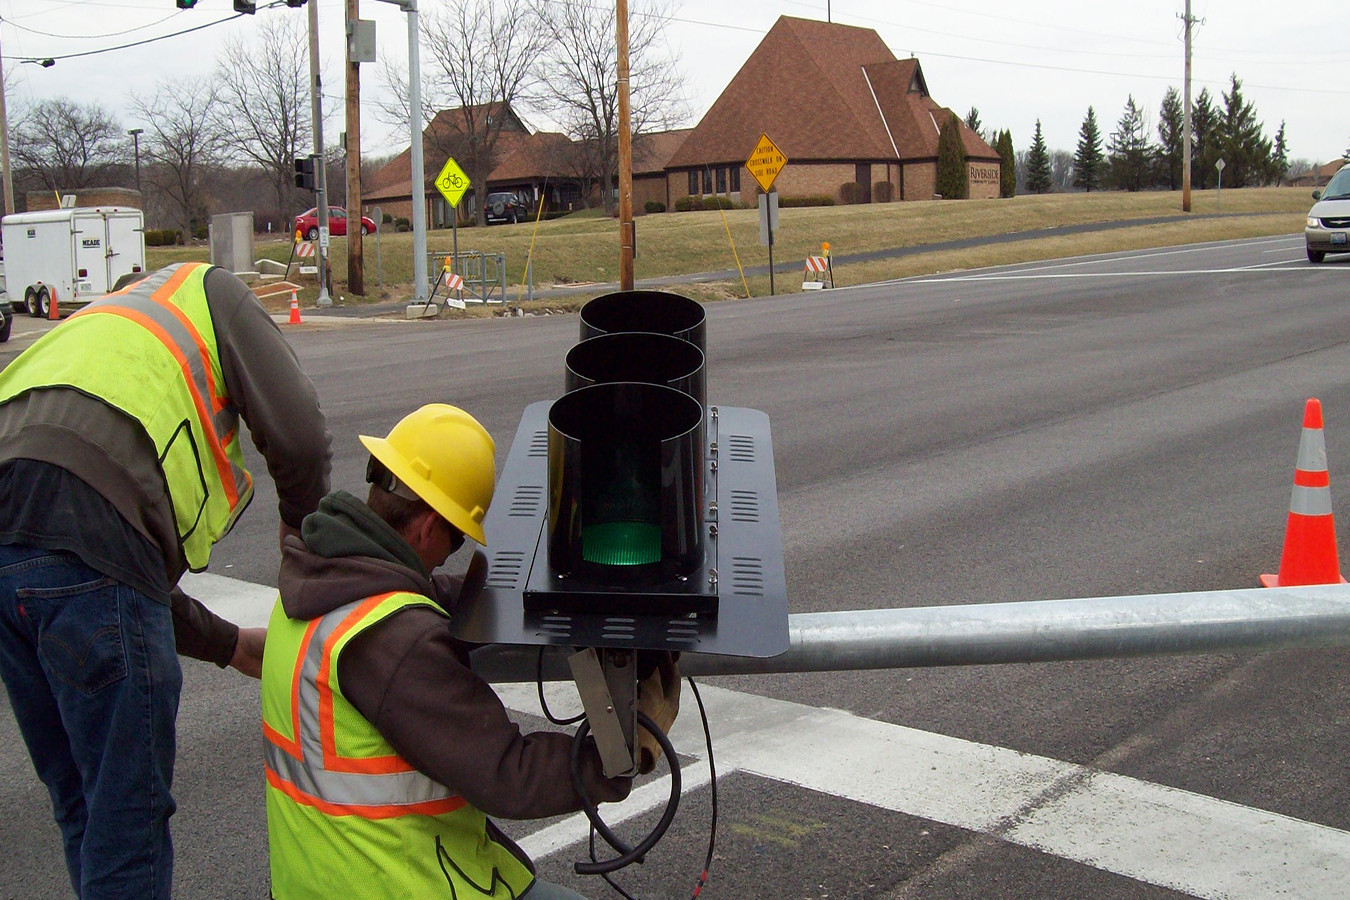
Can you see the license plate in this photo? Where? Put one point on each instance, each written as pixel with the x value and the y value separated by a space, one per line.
pixel 1338 237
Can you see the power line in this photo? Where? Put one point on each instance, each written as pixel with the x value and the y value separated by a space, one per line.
pixel 81 37
pixel 126 46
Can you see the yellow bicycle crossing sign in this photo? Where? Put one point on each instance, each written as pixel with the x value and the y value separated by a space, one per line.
pixel 452 182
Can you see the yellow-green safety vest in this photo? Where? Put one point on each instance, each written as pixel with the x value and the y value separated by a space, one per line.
pixel 346 815
pixel 150 351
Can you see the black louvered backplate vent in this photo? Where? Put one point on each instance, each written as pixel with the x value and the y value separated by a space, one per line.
pixel 741 448
pixel 747 576
pixel 559 625
pixel 539 444
pixel 744 506
pixel 507 570
pixel 682 631
pixel 527 501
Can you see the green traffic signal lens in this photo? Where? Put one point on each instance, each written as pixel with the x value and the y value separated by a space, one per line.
pixel 621 544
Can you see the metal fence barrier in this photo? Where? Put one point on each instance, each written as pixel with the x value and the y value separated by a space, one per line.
pixel 484 274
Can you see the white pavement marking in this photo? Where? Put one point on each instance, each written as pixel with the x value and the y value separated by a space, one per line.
pixel 1176 839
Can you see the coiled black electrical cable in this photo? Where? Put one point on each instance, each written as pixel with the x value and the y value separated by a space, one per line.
pixel 627 855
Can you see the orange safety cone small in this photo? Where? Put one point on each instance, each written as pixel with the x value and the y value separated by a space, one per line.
pixel 295 309
pixel 53 314
pixel 1309 555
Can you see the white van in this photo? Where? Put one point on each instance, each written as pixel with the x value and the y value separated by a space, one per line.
pixel 72 255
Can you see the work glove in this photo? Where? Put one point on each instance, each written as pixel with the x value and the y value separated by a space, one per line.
pixel 659 698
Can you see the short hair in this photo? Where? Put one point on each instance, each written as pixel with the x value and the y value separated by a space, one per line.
pixel 391 500
pixel 397 512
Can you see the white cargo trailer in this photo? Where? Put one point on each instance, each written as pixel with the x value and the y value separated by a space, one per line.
pixel 74 255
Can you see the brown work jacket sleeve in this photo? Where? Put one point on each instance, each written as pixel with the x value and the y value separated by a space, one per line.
pixel 408 676
pixel 200 633
pixel 274 396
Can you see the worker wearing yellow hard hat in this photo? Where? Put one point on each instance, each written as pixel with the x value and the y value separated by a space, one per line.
pixel 385 753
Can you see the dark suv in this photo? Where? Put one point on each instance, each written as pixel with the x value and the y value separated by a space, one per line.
pixel 506 207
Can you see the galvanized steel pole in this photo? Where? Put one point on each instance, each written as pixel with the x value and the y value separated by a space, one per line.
pixel 1253 620
pixel 320 163
pixel 419 175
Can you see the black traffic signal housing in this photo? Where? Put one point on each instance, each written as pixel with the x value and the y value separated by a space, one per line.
pixel 632 514
pixel 245 6
pixel 295 4
pixel 186 4
pixel 304 173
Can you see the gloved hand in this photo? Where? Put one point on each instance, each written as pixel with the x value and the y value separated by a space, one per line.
pixel 659 698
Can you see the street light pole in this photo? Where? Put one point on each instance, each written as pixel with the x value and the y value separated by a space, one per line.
pixel 320 167
pixel 419 175
pixel 136 141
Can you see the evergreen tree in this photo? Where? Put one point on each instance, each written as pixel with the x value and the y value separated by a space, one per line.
pixel 1087 162
pixel 1038 164
pixel 1246 151
pixel 1130 152
pixel 1279 157
pixel 1205 134
pixel 1170 127
pixel 953 178
pixel 973 120
pixel 1007 163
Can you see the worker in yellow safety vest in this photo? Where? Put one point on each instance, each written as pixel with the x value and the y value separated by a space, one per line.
pixel 385 753
pixel 120 466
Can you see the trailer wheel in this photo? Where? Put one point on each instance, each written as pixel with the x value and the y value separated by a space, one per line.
pixel 41 305
pixel 30 302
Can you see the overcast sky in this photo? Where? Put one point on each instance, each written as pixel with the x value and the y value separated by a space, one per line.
pixel 1015 62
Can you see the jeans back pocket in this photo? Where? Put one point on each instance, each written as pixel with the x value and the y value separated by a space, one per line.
pixel 79 633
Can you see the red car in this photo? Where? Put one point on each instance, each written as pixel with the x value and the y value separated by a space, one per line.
pixel 307 223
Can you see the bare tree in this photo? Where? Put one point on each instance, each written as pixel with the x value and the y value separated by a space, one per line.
pixel 578 83
pixel 183 144
pixel 481 53
pixel 264 111
pixel 66 146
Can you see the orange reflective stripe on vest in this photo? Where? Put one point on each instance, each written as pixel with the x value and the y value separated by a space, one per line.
pixel 310 769
pixel 150 308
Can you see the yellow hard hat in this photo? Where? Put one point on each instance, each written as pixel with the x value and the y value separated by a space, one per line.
pixel 444 456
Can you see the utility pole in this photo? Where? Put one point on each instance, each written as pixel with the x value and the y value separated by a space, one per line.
pixel 320 167
pixel 136 141
pixel 1186 119
pixel 4 148
pixel 356 270
pixel 627 237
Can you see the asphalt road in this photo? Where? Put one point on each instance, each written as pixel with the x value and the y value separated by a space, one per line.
pixel 1112 425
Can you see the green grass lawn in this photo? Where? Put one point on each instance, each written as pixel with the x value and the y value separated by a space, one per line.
pixel 584 249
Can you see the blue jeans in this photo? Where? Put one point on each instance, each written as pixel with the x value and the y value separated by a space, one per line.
pixel 547 890
pixel 93 678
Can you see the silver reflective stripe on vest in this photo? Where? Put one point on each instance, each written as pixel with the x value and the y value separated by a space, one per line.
pixel 225 421
pixel 1310 501
pixel 309 774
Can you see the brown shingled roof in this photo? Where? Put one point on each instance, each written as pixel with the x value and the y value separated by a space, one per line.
pixel 822 91
pixel 393 180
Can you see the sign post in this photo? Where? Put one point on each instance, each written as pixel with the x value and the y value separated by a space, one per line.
pixel 452 183
pixel 765 162
pixel 1218 191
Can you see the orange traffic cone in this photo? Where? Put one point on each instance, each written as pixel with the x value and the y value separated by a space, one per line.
pixel 295 309
pixel 1309 555
pixel 53 314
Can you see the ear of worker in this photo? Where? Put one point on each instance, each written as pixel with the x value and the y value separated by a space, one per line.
pixel 1309 555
